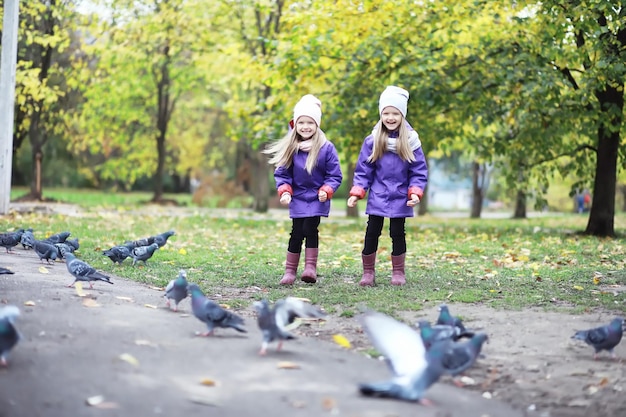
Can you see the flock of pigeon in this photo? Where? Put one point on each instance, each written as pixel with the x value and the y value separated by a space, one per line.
pixel 417 357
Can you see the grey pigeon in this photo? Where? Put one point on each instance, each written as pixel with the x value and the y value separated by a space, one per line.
pixel 212 314
pixel 9 336
pixel 143 253
pixel 414 369
pixel 10 240
pixel 117 254
pixel 445 317
pixel 273 322
pixel 436 333
pixel 5 271
pixel 82 271
pixel 161 239
pixel 177 289
pixel 46 250
pixel 60 237
pixel 73 243
pixel 63 249
pixel 460 356
pixel 28 239
pixel 603 337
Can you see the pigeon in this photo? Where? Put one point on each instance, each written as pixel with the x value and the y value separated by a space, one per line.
pixel 9 336
pixel 11 239
pixel 5 271
pixel 460 356
pixel 211 313
pixel 446 318
pixel 63 249
pixel 161 239
pixel 177 289
pixel 117 254
pixel 46 250
pixel 57 237
pixel 273 322
pixel 82 271
pixel 73 243
pixel 414 369
pixel 433 334
pixel 603 337
pixel 28 239
pixel 143 253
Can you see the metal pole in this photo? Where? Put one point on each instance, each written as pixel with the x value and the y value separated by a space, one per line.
pixel 8 62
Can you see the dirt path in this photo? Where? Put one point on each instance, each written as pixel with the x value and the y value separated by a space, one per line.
pixel 146 361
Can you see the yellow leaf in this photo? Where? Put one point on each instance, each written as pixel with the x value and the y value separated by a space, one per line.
pixel 43 270
pixel 127 357
pixel 578 287
pixel 342 341
pixel 79 289
pixel 288 365
pixel 119 297
pixel 182 251
pixel 150 306
pixel 208 382
pixel 29 303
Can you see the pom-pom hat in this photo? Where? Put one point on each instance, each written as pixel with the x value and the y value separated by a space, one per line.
pixel 395 97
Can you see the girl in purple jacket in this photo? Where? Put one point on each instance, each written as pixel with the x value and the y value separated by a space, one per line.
pixel 307 175
pixel 392 167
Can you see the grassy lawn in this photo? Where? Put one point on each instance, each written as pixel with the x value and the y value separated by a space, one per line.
pixel 539 262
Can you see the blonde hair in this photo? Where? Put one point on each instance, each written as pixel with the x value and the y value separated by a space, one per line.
pixel 283 150
pixel 381 135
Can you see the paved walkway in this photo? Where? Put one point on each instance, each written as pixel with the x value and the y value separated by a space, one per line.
pixel 134 360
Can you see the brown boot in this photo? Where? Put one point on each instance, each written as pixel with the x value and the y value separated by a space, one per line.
pixel 310 265
pixel 369 270
pixel 291 267
pixel 397 272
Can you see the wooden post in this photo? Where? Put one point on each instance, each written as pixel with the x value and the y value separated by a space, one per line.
pixel 8 62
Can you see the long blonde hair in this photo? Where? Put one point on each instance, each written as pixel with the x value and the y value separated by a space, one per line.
pixel 283 150
pixel 381 136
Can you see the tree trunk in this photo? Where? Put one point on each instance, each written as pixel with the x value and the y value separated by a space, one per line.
pixel 520 205
pixel 260 181
pixel 36 143
pixel 602 213
pixel 350 211
pixel 160 171
pixel 477 191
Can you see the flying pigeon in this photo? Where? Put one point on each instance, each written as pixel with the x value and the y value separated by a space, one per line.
pixel 57 237
pixel 117 254
pixel 211 313
pixel 603 337
pixel 5 271
pixel 414 369
pixel 435 333
pixel 11 239
pixel 273 322
pixel 445 317
pixel 46 250
pixel 143 253
pixel 82 271
pixel 460 356
pixel 177 289
pixel 28 239
pixel 9 336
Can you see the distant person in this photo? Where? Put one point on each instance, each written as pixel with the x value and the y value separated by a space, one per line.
pixel 586 201
pixel 392 167
pixel 307 175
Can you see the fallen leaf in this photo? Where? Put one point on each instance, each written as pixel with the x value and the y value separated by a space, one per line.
pixel 44 270
pixel 127 357
pixel 119 297
pixel 95 400
pixel 226 306
pixel 79 289
pixel 208 382
pixel 182 251
pixel 578 287
pixel 329 404
pixel 342 341
pixel 29 303
pixel 288 365
pixel 150 306
pixel 90 302
pixel 157 288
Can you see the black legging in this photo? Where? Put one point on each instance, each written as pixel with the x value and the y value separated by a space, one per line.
pixel 301 229
pixel 375 228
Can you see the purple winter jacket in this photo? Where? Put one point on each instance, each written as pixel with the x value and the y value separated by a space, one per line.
pixel 390 181
pixel 304 187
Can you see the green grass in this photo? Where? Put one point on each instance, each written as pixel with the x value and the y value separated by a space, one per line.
pixel 504 263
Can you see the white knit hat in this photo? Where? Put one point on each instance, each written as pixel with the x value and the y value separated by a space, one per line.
pixel 395 97
pixel 312 99
pixel 308 107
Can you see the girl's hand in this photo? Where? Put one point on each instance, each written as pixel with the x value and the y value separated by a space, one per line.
pixel 414 201
pixel 285 199
pixel 352 201
pixel 322 196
